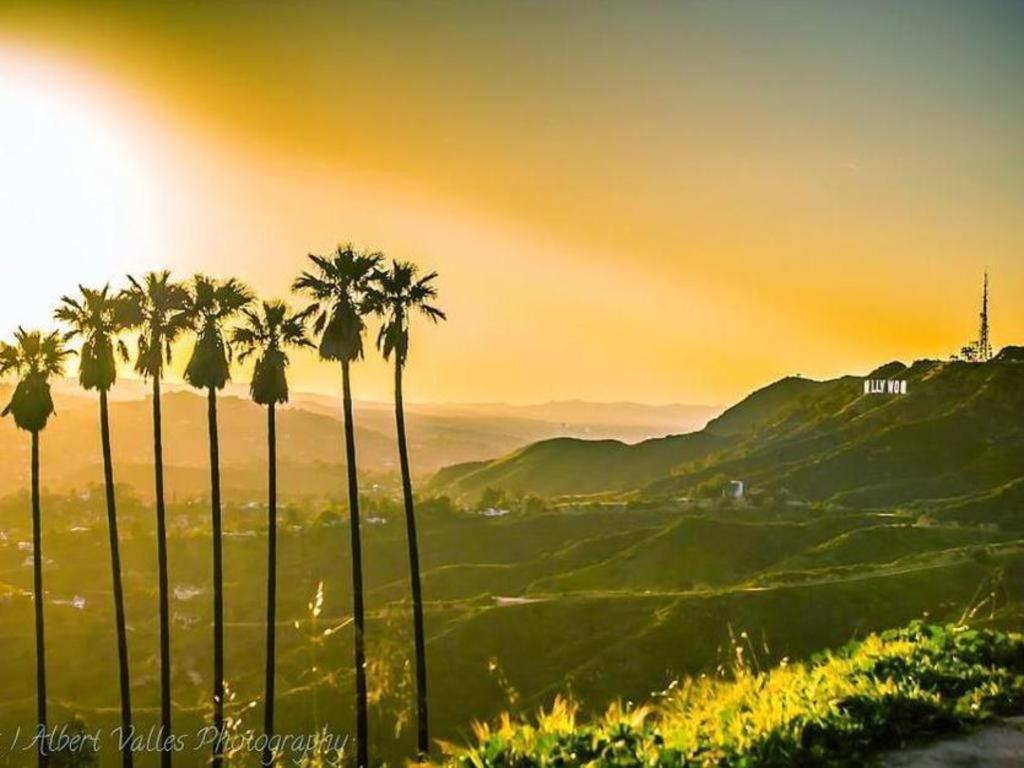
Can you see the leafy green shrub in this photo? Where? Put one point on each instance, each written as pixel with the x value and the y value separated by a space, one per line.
pixel 835 710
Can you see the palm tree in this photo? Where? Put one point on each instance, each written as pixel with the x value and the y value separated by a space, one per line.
pixel 34 358
pixel 268 335
pixel 154 305
pixel 209 305
pixel 397 294
pixel 97 317
pixel 340 288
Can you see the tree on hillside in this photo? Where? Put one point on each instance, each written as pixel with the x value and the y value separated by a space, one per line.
pixel 340 286
pixel 209 305
pixel 97 317
pixel 154 306
pixel 398 293
pixel 712 487
pixel 34 358
pixel 268 334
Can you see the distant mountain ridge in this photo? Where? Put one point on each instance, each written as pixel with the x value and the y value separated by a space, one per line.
pixel 309 430
pixel 956 434
pixel 615 420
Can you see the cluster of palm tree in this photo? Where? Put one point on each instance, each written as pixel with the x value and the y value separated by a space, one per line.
pixel 346 288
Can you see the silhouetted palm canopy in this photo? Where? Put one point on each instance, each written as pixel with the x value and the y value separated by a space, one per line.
pixel 209 303
pixel 267 334
pixel 155 306
pixel 97 317
pixel 398 293
pixel 34 358
pixel 339 287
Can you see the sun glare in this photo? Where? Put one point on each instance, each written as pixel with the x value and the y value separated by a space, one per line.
pixel 76 201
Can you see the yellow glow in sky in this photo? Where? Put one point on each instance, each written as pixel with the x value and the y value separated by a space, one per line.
pixel 679 203
pixel 76 196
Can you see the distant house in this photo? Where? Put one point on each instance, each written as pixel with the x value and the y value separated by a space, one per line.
pixel 733 489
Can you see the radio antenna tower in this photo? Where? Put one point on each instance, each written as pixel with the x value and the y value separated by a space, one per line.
pixel 984 346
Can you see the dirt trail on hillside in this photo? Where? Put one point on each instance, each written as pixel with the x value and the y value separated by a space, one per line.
pixel 1000 745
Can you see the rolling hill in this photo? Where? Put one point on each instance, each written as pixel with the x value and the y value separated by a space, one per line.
pixel 572 466
pixel 605 602
pixel 954 439
pixel 956 433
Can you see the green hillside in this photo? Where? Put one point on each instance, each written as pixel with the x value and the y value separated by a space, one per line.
pixel 701 551
pixel 764 405
pixel 572 466
pixel 956 433
pixel 863 513
pixel 608 601
pixel 955 440
pixel 887 543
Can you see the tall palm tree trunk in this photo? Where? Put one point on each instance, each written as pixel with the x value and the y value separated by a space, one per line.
pixel 37 588
pixel 268 697
pixel 161 555
pixel 218 582
pixel 362 731
pixel 115 568
pixel 422 722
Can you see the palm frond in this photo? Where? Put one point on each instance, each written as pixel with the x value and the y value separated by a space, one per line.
pixel 155 305
pixel 35 358
pixel 397 294
pixel 342 289
pixel 97 318
pixel 266 333
pixel 8 357
pixel 209 304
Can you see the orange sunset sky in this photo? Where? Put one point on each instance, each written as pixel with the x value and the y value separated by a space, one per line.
pixel 648 201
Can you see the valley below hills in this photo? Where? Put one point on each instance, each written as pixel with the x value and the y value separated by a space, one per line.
pixel 601 569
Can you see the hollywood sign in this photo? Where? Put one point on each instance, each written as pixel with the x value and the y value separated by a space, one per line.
pixel 885 387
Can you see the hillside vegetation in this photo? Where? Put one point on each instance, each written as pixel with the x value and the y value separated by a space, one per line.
pixel 954 444
pixel 605 597
pixel 602 600
pixel 567 465
pixel 837 710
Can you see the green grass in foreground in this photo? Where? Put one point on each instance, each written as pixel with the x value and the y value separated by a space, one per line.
pixel 838 709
